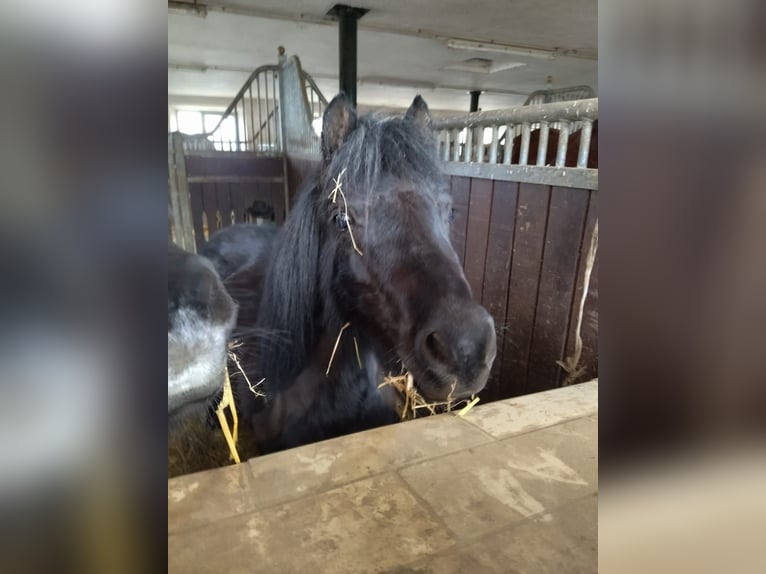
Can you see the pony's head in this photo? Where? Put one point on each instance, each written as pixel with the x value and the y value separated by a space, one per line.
pixel 382 211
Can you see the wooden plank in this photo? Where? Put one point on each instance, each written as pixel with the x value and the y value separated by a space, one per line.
pixel 238 194
pixel 278 201
pixel 210 204
pixel 497 271
pixel 460 188
pixel 480 205
pixel 529 236
pixel 233 164
pixel 234 179
pixel 579 178
pixel 589 329
pixel 566 220
pixel 178 190
pixel 197 208
pixel 589 357
pixel 223 198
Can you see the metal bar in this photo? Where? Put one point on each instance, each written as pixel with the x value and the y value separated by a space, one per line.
pixel 445 155
pixel 348 17
pixel 283 91
pixel 260 118
pixel 584 178
pixel 468 145
pixel 584 151
pixel 241 93
pixel 575 111
pixel 277 123
pixel 480 145
pixel 312 83
pixel 236 128
pixel 493 146
pixel 252 120
pixel 561 153
pixel 524 151
pixel 508 146
pixel 542 144
pixel 456 150
pixel 268 115
pixel 474 100
pixel 218 154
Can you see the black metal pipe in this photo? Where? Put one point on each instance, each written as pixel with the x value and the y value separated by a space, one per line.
pixel 347 26
pixel 474 100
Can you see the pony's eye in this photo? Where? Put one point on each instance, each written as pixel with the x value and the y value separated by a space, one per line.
pixel 342 221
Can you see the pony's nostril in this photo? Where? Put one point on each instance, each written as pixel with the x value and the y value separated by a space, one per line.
pixel 436 349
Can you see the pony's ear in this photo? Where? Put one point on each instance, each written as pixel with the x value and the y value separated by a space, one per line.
pixel 338 122
pixel 418 113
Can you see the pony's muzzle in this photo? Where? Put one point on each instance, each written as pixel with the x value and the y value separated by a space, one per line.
pixel 458 347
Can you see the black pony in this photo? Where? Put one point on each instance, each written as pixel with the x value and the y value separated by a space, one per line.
pixel 363 263
pixel 201 316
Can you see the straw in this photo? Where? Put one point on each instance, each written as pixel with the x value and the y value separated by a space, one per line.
pixel 414 403
pixel 334 196
pixel 335 348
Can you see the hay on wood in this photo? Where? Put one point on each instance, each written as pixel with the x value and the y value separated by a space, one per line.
pixel 413 405
pixel 196 445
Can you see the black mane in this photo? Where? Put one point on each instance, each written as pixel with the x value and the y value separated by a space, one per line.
pixel 293 308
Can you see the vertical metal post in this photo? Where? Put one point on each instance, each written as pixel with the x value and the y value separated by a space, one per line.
pixel 524 151
pixel 584 151
pixel 542 144
pixel 561 152
pixel 284 143
pixel 347 26
pixel 474 100
pixel 456 148
pixel 493 145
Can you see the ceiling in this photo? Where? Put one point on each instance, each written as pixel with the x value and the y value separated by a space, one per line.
pixel 402 48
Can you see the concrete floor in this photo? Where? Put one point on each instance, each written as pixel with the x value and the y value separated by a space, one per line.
pixel 510 487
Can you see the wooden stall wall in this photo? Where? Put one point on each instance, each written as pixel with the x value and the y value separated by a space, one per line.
pixel 223 185
pixel 299 169
pixel 523 248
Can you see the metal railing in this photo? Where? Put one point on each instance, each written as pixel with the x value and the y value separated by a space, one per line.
pixel 316 100
pixel 461 138
pixel 253 120
pixel 569 94
pixel 478 138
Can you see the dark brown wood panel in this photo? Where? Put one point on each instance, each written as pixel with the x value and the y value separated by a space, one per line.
pixel 529 236
pixel 278 201
pixel 589 330
pixel 522 246
pixel 210 205
pixel 589 357
pixel 479 208
pixel 223 199
pixel 299 170
pixel 240 194
pixel 497 271
pixel 195 200
pixel 233 164
pixel 566 219
pixel 461 191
